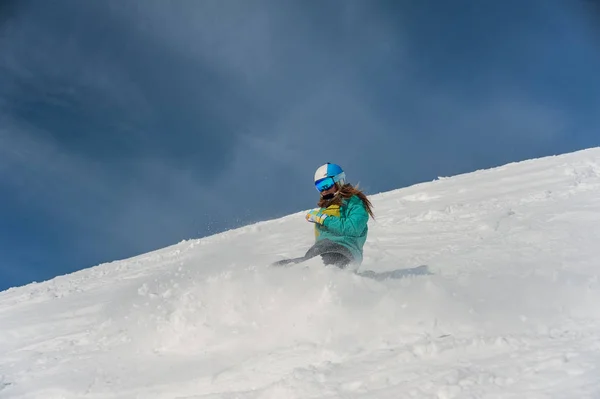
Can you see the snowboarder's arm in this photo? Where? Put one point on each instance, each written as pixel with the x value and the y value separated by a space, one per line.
pixel 353 224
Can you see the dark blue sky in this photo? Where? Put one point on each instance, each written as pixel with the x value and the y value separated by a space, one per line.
pixel 127 126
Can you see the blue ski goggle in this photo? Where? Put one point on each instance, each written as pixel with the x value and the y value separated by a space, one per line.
pixel 324 184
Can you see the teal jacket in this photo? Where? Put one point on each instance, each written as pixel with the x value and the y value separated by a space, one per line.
pixel 346 225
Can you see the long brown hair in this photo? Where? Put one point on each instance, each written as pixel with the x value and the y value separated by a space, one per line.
pixel 344 192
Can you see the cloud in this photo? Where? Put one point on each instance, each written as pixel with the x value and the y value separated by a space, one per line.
pixel 94 208
pixel 101 90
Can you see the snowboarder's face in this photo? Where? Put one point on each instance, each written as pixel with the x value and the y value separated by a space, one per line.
pixel 329 192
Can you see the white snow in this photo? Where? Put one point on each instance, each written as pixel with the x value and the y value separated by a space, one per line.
pixel 510 309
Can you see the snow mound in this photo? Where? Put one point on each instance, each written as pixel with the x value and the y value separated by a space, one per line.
pixel 478 285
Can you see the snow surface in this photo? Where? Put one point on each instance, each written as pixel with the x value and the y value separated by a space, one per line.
pixel 483 285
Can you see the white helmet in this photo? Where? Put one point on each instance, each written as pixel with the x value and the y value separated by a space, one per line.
pixel 327 175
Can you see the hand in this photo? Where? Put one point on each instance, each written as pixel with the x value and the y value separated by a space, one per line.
pixel 316 216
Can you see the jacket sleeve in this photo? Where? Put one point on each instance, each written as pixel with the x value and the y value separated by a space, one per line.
pixel 353 224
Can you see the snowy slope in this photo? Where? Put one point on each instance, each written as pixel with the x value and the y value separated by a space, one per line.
pixel 511 308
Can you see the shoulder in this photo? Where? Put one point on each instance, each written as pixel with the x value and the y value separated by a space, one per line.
pixel 354 201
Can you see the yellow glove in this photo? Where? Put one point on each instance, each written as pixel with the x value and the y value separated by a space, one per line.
pixel 316 216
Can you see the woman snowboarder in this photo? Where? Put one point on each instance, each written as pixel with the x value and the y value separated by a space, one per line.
pixel 340 220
